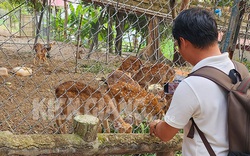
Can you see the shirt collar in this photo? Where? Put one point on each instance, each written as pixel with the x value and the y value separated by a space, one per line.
pixel 210 61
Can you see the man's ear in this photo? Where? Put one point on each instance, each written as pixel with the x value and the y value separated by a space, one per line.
pixel 182 42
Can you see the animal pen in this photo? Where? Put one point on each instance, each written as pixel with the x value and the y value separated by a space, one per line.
pixel 107 60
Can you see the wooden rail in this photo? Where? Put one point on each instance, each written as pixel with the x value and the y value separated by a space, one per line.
pixel 85 141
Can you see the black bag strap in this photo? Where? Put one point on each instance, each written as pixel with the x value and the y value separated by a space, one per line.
pixel 203 138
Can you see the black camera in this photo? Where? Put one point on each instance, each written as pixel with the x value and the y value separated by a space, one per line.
pixel 170 87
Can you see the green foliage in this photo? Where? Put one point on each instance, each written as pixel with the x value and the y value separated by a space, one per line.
pixel 141 128
pixel 58 25
pixel 178 153
pixel 89 23
pixel 247 64
pixel 1 21
pixel 137 23
pixel 73 19
pixel 6 5
pixel 95 67
pixel 166 31
pixel 37 5
pixel 222 3
pixel 167 48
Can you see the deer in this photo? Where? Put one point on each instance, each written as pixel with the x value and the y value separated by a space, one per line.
pixel 131 64
pixel 119 75
pixel 130 97
pixel 133 99
pixel 79 98
pixel 41 51
pixel 158 73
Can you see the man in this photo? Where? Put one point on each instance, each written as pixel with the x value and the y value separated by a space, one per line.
pixel 195 31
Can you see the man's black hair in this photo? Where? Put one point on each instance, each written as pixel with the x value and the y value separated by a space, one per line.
pixel 196 25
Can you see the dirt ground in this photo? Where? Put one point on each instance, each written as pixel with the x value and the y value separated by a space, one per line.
pixel 18 94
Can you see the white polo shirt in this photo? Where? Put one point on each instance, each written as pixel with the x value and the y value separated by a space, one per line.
pixel 206 102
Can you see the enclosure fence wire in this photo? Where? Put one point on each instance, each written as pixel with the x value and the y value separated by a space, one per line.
pixel 106 58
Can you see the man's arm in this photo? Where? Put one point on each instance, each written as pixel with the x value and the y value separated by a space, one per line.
pixel 162 130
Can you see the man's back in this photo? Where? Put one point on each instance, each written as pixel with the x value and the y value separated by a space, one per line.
pixel 196 34
pixel 206 102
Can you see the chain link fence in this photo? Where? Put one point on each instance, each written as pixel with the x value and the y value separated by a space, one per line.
pixel 107 58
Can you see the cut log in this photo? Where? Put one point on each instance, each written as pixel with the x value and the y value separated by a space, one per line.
pixel 86 126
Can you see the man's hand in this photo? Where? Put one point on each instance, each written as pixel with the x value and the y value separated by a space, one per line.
pixel 162 130
pixel 152 127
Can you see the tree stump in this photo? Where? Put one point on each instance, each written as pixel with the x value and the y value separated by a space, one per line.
pixel 86 126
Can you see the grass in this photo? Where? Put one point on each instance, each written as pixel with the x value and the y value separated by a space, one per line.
pixel 95 68
pixel 247 64
pixel 1 21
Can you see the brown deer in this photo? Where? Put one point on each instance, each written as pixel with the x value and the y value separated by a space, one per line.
pixel 41 51
pixel 130 97
pixel 118 75
pixel 144 75
pixel 134 99
pixel 83 99
pixel 159 73
pixel 130 64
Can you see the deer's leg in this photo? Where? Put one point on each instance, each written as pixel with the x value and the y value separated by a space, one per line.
pixel 66 113
pixel 34 60
pixel 59 114
pixel 44 58
pixel 62 115
pixel 106 126
pixel 115 117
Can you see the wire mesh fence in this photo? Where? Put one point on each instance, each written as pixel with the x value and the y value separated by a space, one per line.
pixel 107 58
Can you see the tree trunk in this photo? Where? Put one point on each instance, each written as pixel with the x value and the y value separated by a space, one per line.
pixel 119 33
pixel 228 43
pixel 78 42
pixel 110 31
pixel 86 126
pixel 94 33
pixel 153 39
pixel 178 59
pixel 65 20
pixel 48 27
pixel 40 22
